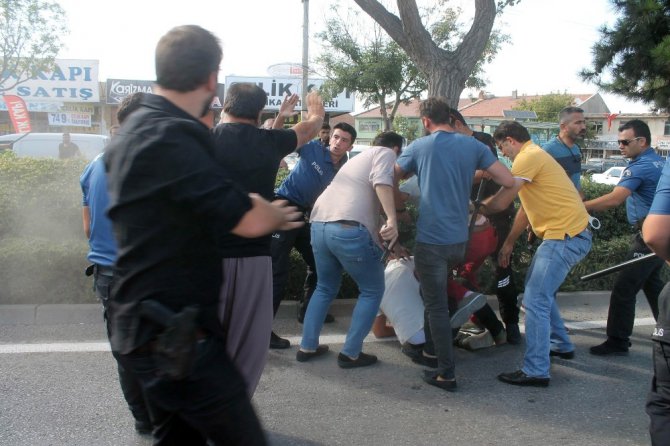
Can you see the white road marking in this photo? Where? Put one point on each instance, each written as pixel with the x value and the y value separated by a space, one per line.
pixel 83 347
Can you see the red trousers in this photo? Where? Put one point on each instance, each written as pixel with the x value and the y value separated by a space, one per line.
pixel 482 244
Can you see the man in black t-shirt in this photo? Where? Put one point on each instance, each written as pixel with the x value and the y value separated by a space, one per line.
pixel 506 290
pixel 251 156
pixel 169 204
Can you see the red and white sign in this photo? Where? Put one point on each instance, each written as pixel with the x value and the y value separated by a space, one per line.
pixel 18 112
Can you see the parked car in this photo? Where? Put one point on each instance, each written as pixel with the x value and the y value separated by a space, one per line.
pixel 291 160
pixel 45 145
pixel 610 176
pixel 356 149
pixel 600 165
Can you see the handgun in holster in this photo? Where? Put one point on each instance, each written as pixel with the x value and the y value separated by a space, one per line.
pixel 174 350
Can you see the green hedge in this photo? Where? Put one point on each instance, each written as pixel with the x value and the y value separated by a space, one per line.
pixel 43 248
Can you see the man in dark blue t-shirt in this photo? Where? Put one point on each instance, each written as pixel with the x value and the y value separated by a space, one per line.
pixel 636 187
pixel 315 170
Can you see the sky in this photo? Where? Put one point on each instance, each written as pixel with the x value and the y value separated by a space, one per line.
pixel 551 40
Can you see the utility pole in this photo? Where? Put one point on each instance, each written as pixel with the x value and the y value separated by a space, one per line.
pixel 305 54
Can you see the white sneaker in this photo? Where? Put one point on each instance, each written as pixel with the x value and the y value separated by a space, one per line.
pixel 466 307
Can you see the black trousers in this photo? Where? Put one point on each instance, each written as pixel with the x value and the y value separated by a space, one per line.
pixel 658 400
pixel 506 290
pixel 211 404
pixel 646 276
pixel 103 279
pixel 282 243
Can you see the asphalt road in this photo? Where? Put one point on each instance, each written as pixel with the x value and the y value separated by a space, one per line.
pixel 68 393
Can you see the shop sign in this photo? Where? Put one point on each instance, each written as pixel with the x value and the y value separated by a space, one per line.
pixel 277 88
pixel 72 80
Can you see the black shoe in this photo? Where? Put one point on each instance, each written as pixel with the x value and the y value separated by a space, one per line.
pixel 301 356
pixel 519 378
pixel 562 355
pixel 425 361
pixel 513 334
pixel 609 348
pixel 363 360
pixel 143 427
pixel 278 343
pixel 412 350
pixel 430 377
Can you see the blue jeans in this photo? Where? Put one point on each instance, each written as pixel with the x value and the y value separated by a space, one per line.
pixel 545 329
pixel 337 247
pixel 433 265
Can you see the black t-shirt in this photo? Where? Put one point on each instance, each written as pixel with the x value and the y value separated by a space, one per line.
pixel 251 157
pixel 169 204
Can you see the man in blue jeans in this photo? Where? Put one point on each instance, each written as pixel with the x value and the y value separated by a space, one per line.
pixel 346 236
pixel 444 163
pixel 554 209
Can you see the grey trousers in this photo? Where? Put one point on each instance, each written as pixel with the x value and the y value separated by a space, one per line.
pixel 433 265
pixel 245 310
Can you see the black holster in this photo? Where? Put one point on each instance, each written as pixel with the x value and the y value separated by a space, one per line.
pixel 174 348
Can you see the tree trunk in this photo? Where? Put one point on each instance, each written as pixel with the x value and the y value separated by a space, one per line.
pixel 446 71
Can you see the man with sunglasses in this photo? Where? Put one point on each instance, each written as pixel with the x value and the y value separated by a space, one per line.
pixel 636 187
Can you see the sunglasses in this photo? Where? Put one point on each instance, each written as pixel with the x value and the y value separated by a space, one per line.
pixel 625 142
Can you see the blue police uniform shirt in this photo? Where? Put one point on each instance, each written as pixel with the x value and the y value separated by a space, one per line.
pixel 641 178
pixel 661 203
pixel 102 245
pixel 313 173
pixel 570 159
pixel 444 163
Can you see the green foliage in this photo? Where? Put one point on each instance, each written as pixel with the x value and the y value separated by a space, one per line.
pixel 371 64
pixel 632 58
pixel 30 33
pixel 447 32
pixel 42 244
pixel 408 128
pixel 546 107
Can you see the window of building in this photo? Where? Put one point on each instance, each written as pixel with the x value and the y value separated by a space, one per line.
pixel 666 131
pixel 596 127
pixel 369 125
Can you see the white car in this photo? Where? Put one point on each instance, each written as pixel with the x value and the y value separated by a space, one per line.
pixel 45 145
pixel 610 176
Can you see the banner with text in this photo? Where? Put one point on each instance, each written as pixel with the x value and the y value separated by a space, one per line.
pixel 277 88
pixel 72 80
pixel 18 113
pixel 70 119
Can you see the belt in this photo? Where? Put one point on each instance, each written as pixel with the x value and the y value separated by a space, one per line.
pixel 348 223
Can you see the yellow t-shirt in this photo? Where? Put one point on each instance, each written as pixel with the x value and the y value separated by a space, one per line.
pixel 552 203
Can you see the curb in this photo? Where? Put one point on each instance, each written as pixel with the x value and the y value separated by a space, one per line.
pixel 68 314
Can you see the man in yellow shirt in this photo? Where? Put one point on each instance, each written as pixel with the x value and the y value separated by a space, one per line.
pixel 554 209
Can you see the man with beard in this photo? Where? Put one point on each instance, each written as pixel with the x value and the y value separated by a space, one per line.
pixel 169 204
pixel 564 148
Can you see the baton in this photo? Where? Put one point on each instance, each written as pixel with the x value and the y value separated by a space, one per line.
pixel 478 204
pixel 615 268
